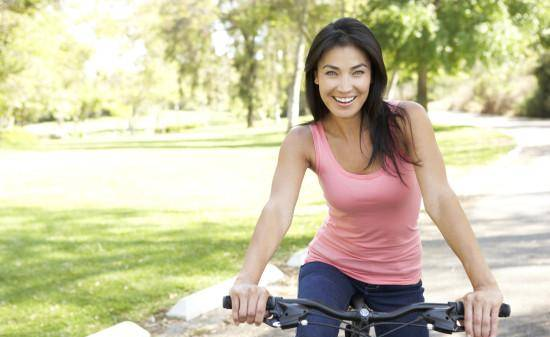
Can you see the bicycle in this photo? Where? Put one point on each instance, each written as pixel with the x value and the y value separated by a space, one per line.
pixel 359 318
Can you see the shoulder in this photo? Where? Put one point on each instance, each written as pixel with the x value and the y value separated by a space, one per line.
pixel 299 135
pixel 300 141
pixel 416 113
pixel 417 127
pixel 413 109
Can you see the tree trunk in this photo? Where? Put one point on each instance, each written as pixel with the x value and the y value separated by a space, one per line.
pixel 248 78
pixel 422 86
pixel 293 109
pixel 392 86
pixel 250 97
pixel 276 111
pixel 132 119
pixel 181 99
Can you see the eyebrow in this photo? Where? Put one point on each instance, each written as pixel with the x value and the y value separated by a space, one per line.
pixel 354 67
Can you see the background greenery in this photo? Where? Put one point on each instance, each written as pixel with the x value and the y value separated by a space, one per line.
pixel 72 60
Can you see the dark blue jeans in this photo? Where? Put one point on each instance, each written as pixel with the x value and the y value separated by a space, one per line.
pixel 326 284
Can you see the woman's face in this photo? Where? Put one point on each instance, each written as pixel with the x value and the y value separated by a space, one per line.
pixel 343 76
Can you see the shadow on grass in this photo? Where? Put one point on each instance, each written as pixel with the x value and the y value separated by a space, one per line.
pixel 113 264
pixel 448 128
pixel 251 140
pixel 258 140
pixel 66 246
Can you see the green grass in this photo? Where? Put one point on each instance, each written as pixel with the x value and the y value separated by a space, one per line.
pixel 17 138
pixel 73 272
pixel 101 230
pixel 466 146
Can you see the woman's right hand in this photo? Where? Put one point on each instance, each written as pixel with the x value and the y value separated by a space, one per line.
pixel 248 301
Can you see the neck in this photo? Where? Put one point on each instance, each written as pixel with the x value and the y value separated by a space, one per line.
pixel 346 128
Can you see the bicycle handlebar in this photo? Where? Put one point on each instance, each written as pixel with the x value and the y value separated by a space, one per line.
pixel 374 316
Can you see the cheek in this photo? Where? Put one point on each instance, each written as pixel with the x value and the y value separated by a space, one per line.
pixel 325 97
pixel 364 85
pixel 325 90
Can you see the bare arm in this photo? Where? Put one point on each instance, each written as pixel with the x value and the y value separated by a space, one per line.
pixel 271 227
pixel 443 207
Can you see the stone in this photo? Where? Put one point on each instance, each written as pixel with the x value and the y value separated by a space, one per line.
pixel 297 259
pixel 210 298
pixel 123 329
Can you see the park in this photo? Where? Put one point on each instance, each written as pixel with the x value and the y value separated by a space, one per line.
pixel 138 141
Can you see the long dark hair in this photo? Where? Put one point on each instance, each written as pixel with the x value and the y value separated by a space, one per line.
pixel 379 117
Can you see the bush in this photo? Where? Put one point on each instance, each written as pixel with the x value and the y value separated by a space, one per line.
pixel 177 128
pixel 539 104
pixel 17 138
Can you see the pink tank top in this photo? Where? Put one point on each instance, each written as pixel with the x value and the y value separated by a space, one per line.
pixel 371 232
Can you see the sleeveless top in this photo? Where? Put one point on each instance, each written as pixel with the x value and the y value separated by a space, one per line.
pixel 371 232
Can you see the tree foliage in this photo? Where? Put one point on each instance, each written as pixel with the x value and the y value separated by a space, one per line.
pixel 187 28
pixel 75 60
pixel 428 37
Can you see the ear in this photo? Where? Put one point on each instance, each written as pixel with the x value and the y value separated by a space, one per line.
pixel 316 80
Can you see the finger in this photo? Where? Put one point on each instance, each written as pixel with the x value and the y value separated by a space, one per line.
pixel 468 317
pixel 251 311
pixel 235 308
pixel 494 321
pixel 486 321
pixel 243 307
pixel 477 319
pixel 260 310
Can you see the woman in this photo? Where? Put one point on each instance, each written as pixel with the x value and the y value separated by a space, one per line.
pixel 374 160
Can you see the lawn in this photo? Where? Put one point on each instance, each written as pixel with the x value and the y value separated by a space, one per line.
pixel 102 229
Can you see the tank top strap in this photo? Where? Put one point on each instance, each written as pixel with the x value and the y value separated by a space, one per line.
pixel 318 143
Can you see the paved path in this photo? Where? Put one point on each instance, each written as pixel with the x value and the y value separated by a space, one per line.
pixel 508 204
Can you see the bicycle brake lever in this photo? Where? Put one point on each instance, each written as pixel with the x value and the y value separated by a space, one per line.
pixel 444 319
pixel 287 315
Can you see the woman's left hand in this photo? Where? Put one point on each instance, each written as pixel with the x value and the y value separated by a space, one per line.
pixel 481 308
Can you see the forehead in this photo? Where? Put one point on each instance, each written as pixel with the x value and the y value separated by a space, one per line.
pixel 343 57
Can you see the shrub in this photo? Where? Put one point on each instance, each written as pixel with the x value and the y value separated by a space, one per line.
pixel 539 103
pixel 176 128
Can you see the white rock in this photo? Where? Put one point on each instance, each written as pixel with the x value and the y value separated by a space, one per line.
pixel 124 329
pixel 271 274
pixel 298 259
pixel 210 298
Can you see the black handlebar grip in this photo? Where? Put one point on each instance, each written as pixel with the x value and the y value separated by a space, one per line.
pixel 503 312
pixel 227 303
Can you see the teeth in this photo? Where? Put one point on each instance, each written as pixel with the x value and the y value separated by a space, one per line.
pixel 344 100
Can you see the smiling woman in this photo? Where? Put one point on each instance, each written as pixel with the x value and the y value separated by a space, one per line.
pixel 375 160
pixel 345 82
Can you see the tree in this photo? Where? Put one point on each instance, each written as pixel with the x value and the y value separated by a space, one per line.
pixel 246 21
pixel 299 24
pixel 187 29
pixel 427 37
pixel 11 13
pixel 533 19
pixel 48 61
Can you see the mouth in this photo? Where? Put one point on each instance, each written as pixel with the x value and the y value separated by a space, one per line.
pixel 344 101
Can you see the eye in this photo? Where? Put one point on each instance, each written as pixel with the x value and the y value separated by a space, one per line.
pixel 359 72
pixel 330 73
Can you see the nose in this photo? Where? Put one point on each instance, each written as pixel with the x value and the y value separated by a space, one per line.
pixel 345 84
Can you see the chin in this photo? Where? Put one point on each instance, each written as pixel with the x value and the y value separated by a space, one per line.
pixel 346 115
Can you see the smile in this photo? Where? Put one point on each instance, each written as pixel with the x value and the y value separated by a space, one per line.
pixel 344 100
